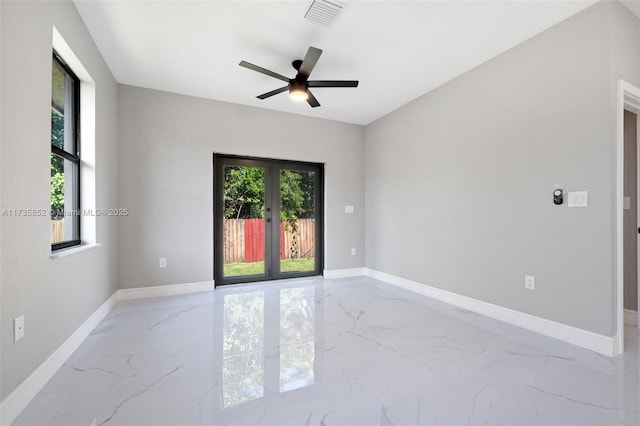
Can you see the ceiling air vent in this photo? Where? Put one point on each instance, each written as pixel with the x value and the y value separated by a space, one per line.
pixel 324 12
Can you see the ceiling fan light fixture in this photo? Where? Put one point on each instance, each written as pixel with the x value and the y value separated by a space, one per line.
pixel 298 91
pixel 298 95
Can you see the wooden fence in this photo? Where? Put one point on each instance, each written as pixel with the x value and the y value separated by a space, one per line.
pixel 244 240
pixel 57 230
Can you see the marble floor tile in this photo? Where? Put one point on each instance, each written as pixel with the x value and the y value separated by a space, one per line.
pixel 329 352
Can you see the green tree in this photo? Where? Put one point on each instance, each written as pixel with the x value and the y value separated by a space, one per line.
pixel 243 192
pixel 291 195
pixel 307 186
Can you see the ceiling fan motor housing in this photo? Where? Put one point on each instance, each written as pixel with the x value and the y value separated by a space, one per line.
pixel 297 64
pixel 297 85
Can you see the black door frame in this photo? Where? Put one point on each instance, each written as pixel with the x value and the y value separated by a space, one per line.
pixel 271 201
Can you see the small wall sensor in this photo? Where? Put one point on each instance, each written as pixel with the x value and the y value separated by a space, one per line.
pixel 557 196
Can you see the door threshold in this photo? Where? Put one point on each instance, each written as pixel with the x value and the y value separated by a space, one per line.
pixel 255 284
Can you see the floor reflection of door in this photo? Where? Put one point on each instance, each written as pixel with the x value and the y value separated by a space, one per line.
pixel 297 350
pixel 267 219
pixel 243 348
pixel 268 343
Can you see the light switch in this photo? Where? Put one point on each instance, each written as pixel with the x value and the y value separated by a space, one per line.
pixel 626 203
pixel 578 199
pixel 348 209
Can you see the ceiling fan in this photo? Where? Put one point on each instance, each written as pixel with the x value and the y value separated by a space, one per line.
pixel 298 86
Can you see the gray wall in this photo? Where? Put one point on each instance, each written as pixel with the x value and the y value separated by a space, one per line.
pixel 630 215
pixel 472 165
pixel 165 171
pixel 56 296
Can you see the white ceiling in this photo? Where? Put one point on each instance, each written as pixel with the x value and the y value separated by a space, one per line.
pixel 398 50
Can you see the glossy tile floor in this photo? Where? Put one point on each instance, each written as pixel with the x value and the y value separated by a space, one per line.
pixel 320 352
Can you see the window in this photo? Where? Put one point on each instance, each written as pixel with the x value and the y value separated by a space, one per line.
pixel 65 156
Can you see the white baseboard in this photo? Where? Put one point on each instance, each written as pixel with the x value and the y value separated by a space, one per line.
pixel 630 317
pixel 17 400
pixel 344 273
pixel 605 345
pixel 165 290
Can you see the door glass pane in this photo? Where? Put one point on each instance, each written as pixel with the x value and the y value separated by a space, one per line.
pixel 244 225
pixel 297 220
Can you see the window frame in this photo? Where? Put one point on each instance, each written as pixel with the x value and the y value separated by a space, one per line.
pixel 73 158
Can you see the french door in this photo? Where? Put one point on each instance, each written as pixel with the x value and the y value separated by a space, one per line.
pixel 267 219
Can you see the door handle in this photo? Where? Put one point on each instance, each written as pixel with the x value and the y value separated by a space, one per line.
pixel 269 220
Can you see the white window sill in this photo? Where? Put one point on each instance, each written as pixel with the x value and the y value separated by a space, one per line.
pixel 73 250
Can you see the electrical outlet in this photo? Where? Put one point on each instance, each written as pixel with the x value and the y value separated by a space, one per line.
pixel 353 251
pixel 530 282
pixel 18 328
pixel 163 262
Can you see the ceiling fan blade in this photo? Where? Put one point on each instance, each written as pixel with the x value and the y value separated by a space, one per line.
pixel 309 61
pixel 312 100
pixel 333 83
pixel 273 92
pixel 263 71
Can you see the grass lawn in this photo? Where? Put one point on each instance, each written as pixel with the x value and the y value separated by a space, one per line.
pixel 287 265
